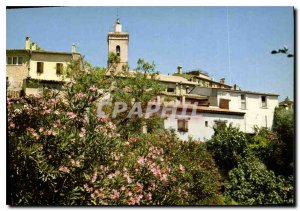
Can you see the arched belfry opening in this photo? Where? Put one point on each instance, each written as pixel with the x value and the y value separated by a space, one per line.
pixel 118 50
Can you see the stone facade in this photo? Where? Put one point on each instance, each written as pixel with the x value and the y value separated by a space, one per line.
pixel 18 72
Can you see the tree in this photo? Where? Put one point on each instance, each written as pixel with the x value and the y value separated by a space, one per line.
pixel 136 88
pixel 283 125
pixel 228 145
pixel 250 183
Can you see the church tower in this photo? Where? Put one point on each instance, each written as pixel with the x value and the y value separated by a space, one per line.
pixel 118 44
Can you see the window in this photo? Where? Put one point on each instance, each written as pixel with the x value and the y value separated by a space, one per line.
pixel 220 123
pixel 9 60
pixel 224 103
pixel 40 67
pixel 20 60
pixel 243 101
pixel 118 50
pixel 263 101
pixel 206 123
pixel 59 68
pixel 182 125
pixel 15 60
pixel 169 89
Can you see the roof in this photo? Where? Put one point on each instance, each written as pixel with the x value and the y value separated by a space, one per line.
pixel 174 79
pixel 246 92
pixel 189 96
pixel 202 77
pixel 214 110
pixel 43 52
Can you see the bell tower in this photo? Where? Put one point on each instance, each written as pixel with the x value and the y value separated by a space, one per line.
pixel 118 44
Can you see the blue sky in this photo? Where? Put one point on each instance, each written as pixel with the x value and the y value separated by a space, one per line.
pixel 193 37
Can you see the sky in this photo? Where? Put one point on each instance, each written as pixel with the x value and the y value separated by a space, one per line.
pixel 230 42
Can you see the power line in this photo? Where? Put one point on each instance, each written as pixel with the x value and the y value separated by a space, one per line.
pixel 228 47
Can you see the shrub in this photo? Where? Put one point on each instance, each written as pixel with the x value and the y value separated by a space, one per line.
pixel 61 153
pixel 228 145
pixel 250 183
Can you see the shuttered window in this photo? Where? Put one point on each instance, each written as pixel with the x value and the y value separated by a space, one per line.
pixel 40 67
pixel 59 68
pixel 263 101
pixel 243 101
pixel 182 125
pixel 15 60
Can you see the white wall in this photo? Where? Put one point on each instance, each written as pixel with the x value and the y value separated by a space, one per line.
pixel 196 125
pixel 255 113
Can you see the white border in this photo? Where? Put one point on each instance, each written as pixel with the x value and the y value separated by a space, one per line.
pixel 106 3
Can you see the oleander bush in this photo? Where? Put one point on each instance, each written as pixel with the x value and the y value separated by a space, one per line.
pixel 62 153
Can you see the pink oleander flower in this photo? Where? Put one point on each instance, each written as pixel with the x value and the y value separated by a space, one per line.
pixel 71 115
pixel 11 125
pixel 88 188
pixel 51 132
pixel 102 119
pixel 152 186
pixel 75 162
pixel 93 88
pixel 33 133
pixel 37 136
pixel 129 180
pixel 181 168
pixel 135 200
pixel 94 177
pixel 141 161
pixel 64 169
pixel 164 177
pixel 138 187
pixel 82 133
pixel 48 111
pixel 110 176
pixel 115 194
pixel 149 196
pixel 99 193
pixel 56 123
pixel 80 95
pixel 155 170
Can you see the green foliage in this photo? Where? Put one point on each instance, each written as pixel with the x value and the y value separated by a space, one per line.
pixel 250 183
pixel 228 145
pixel 54 143
pixel 284 126
pixel 138 86
pixel 113 61
pixel 61 153
pixel 184 172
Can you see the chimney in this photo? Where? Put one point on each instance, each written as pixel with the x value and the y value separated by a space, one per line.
pixel 222 80
pixel 179 70
pixel 236 87
pixel 73 48
pixel 27 43
pixel 33 47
